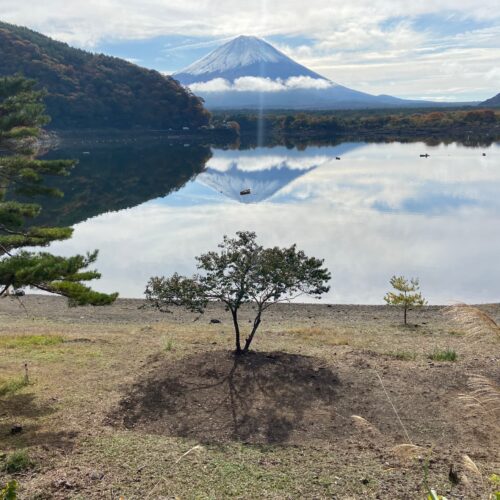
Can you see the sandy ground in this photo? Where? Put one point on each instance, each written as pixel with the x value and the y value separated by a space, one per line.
pixel 335 402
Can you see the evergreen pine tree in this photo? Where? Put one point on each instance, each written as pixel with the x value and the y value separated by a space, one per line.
pixel 22 116
pixel 409 295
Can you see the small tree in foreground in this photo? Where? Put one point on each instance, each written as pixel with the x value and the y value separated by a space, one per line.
pixel 242 272
pixel 408 297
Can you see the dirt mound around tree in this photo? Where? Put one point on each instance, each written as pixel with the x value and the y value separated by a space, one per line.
pixel 259 397
pixel 294 399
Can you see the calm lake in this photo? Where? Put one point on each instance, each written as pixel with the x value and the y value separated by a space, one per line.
pixel 379 210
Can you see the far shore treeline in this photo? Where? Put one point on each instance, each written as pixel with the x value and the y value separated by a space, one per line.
pixel 464 125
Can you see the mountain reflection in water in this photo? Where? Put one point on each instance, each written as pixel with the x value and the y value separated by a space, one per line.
pixel 379 210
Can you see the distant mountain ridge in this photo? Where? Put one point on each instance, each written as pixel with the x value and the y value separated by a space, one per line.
pixel 493 101
pixel 248 72
pixel 96 91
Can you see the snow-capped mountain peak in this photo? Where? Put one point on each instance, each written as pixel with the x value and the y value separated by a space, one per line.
pixel 241 51
pixel 241 57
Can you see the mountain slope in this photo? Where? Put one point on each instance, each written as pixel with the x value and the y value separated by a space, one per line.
pixel 248 72
pixel 493 101
pixel 241 57
pixel 95 91
pixel 262 183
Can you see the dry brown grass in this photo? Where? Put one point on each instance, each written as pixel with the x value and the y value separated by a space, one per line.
pixel 322 335
pixel 474 321
pixel 77 382
pixel 408 452
pixel 363 425
pixel 484 396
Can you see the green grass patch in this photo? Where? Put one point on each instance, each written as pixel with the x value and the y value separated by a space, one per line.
pixel 13 341
pixel 444 355
pixel 13 385
pixel 168 344
pixel 18 461
pixel 403 355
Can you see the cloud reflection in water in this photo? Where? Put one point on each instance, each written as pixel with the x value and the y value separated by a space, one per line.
pixel 380 210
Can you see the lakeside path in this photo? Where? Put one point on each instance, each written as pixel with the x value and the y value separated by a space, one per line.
pixel 118 395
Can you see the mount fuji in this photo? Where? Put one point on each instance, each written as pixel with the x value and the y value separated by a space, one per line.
pixel 248 72
pixel 245 56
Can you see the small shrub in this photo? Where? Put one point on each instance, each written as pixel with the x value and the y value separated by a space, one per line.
pixel 18 461
pixel 12 386
pixel 444 355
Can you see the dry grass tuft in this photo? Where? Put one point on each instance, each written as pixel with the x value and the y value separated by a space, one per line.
pixel 473 320
pixel 405 452
pixel 198 448
pixel 364 425
pixel 470 466
pixel 485 396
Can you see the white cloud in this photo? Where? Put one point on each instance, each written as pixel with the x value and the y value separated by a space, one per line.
pixel 354 43
pixel 334 20
pixel 259 160
pixel 306 82
pixel 258 84
pixel 215 85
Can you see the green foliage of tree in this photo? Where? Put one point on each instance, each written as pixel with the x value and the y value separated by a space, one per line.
pixel 242 272
pixel 21 116
pixel 408 296
pixel 86 90
pixel 9 492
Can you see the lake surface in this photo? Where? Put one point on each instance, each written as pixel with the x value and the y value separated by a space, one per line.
pixel 379 210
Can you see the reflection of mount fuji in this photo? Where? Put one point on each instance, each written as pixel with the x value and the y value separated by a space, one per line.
pixel 262 183
pixel 265 171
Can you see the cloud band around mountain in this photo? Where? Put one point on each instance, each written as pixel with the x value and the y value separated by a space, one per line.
pixel 259 84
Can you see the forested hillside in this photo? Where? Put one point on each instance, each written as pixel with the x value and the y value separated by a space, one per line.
pixel 87 90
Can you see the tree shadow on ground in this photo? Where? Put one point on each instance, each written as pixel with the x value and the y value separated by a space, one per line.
pixel 26 409
pixel 24 405
pixel 258 398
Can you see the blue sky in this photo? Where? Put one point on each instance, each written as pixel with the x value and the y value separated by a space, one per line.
pixel 431 49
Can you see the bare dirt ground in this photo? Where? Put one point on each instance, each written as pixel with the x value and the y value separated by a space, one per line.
pixel 336 402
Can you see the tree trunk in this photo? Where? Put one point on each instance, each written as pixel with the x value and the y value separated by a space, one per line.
pixel 234 312
pixel 256 323
pixel 405 315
